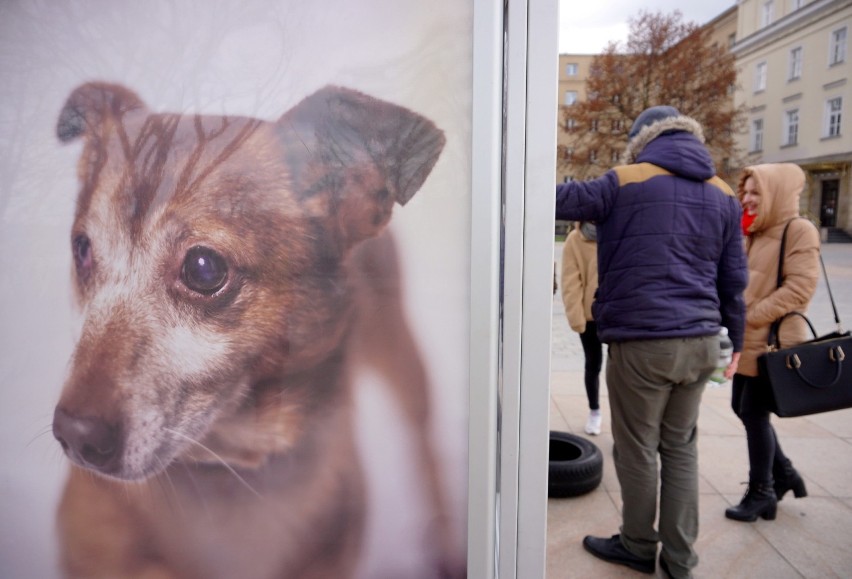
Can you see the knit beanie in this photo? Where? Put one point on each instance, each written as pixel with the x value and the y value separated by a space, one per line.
pixel 650 116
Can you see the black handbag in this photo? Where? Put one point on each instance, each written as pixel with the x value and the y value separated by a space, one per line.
pixel 813 376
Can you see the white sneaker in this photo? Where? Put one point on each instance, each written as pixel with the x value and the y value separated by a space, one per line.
pixel 593 424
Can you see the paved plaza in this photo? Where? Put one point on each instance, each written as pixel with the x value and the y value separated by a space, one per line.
pixel 811 537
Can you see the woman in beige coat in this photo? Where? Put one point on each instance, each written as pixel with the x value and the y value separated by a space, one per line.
pixel 579 282
pixel 770 198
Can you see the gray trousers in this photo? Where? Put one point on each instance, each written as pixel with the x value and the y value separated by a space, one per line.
pixel 655 389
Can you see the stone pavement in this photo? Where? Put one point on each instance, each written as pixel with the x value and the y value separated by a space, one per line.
pixel 811 537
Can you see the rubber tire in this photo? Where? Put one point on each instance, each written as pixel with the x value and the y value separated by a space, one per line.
pixel 576 465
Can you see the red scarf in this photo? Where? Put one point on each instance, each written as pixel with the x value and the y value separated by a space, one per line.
pixel 748 219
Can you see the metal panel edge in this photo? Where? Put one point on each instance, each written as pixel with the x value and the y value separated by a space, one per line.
pixel 486 147
pixel 514 169
pixel 540 168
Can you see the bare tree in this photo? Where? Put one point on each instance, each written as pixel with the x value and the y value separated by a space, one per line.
pixel 666 61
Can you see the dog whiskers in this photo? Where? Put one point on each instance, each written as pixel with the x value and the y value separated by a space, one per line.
pixel 47 430
pixel 218 458
pixel 167 487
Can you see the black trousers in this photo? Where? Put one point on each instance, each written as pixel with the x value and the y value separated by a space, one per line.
pixel 593 350
pixel 751 400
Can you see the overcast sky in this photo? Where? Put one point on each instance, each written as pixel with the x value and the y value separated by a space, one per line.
pixel 587 26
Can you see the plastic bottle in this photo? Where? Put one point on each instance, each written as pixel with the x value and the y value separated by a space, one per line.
pixel 726 351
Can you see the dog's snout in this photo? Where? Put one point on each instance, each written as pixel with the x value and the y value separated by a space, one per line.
pixel 89 441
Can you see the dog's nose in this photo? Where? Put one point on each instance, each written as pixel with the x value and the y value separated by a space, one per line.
pixel 88 441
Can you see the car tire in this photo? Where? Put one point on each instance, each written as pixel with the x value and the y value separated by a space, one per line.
pixel 576 465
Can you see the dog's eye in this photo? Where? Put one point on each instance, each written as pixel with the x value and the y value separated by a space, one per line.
pixel 82 249
pixel 204 270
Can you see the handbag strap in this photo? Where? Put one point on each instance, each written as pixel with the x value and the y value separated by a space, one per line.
pixel 774 341
pixel 780 276
pixel 830 295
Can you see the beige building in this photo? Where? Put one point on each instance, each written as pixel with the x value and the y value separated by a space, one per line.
pixel 723 32
pixel 795 84
pixel 723 28
pixel 573 72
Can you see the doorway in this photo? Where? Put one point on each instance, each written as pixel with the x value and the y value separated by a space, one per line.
pixel 828 203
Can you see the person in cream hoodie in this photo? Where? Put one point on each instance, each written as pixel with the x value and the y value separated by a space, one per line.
pixel 579 282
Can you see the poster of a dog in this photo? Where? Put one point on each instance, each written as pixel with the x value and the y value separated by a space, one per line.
pixel 235 255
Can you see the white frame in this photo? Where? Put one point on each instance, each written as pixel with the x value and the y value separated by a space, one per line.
pixel 755 133
pixel 828 115
pixel 794 71
pixel 788 125
pixel 573 99
pixel 761 74
pixel 767 13
pixel 513 152
pixel 484 283
pixel 833 44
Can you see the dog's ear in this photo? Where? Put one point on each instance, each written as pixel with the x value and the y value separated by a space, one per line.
pixel 93 107
pixel 354 156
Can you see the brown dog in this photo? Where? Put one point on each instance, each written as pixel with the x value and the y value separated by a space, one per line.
pixel 231 272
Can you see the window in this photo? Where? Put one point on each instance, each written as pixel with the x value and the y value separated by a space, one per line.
pixel 791 127
pixel 615 157
pixel 617 125
pixel 732 40
pixel 593 126
pixel 837 51
pixel 760 77
pixel 571 69
pixel 757 135
pixel 768 13
pixel 570 97
pixel 833 109
pixel 795 63
pixel 570 124
pixel 796 4
pixel 593 156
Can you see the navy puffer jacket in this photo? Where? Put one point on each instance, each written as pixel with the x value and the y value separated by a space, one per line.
pixel 670 248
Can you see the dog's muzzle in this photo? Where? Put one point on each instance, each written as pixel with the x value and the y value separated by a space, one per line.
pixel 88 441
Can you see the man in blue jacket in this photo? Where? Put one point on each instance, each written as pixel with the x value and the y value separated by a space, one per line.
pixel 671 272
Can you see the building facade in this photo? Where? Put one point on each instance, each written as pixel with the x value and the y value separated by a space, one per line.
pixel 794 70
pixel 722 31
pixel 573 72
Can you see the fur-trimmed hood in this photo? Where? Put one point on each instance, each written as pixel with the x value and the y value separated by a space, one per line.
pixel 682 151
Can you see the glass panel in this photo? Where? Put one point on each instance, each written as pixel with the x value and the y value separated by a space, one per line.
pixel 268 372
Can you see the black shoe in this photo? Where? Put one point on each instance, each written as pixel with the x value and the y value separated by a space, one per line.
pixel 759 501
pixel 788 478
pixel 612 551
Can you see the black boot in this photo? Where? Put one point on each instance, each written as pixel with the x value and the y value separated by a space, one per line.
pixel 787 478
pixel 759 501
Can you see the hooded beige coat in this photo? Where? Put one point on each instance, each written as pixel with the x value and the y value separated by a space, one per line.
pixel 780 186
pixel 579 278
